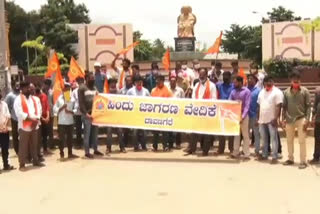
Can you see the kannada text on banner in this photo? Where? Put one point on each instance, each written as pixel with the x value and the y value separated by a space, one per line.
pixel 211 117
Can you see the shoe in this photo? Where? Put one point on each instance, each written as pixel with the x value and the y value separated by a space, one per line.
pixel 144 149
pixel 274 161
pixel 41 159
pixel 46 153
pixel 205 154
pixel 72 156
pixel 38 164
pixel 123 150
pixel 189 153
pixel 234 156
pixel 136 149
pixel 314 161
pixel 8 168
pixel 98 153
pixel 246 159
pixel 303 165
pixel 167 149
pixel 288 163
pixel 261 158
pixel 90 156
pixel 178 147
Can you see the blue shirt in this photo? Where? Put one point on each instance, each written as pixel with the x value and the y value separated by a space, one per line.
pixel 99 81
pixel 224 90
pixel 254 101
pixel 10 101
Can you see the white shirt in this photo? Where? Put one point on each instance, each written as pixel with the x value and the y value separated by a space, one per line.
pixel 213 71
pixel 260 77
pixel 190 75
pixel 64 118
pixel 202 89
pixel 31 110
pixel 75 100
pixel 4 114
pixel 268 100
pixel 177 92
pixel 135 92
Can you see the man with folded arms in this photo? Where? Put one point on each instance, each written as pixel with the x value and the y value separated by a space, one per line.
pixel 28 113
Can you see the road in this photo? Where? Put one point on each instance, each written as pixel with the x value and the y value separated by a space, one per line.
pixel 145 183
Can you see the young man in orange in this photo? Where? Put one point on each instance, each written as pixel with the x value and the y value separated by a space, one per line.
pixel 161 91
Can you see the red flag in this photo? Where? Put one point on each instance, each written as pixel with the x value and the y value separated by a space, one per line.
pixel 53 65
pixel 215 48
pixel 166 60
pixel 127 49
pixel 74 70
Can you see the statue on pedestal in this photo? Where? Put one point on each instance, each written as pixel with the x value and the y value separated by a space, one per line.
pixel 186 22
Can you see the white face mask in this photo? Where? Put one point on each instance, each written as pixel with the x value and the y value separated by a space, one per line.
pixel 184 67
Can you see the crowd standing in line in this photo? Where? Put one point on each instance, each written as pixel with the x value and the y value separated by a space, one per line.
pixel 30 110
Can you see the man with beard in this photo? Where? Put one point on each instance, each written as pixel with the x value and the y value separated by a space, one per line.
pixel 86 95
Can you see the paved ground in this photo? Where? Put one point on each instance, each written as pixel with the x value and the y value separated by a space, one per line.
pixel 148 183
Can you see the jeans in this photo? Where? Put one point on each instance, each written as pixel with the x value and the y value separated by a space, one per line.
pixel 165 140
pixel 90 135
pixel 256 133
pixel 139 138
pixel 78 126
pixel 4 145
pixel 265 131
pixel 119 132
pixel 316 154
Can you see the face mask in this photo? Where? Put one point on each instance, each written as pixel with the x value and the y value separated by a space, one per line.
pixel 197 66
pixel 295 85
pixel 184 67
pixel 91 83
pixel 139 87
pixel 269 88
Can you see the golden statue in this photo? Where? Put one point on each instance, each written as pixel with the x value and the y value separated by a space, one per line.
pixel 186 22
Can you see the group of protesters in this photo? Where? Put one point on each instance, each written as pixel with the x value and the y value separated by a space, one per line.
pixel 31 111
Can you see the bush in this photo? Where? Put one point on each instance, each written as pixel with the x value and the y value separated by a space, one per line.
pixel 283 67
pixel 41 70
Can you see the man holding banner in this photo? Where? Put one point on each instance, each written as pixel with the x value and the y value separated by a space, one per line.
pixel 161 91
pixel 139 90
pixel 204 89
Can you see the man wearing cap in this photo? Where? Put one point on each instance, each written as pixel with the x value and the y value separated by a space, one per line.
pixel 99 77
pixel 123 72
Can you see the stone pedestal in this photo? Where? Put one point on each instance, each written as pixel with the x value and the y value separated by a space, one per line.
pixel 185 44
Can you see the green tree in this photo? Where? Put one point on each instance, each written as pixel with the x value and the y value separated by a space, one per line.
pixel 234 38
pixel 158 49
pixel 144 50
pixel 281 14
pixel 253 45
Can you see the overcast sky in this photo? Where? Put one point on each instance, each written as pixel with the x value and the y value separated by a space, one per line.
pixel 157 19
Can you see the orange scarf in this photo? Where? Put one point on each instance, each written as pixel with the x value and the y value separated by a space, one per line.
pixel 27 124
pixel 207 94
pixel 122 77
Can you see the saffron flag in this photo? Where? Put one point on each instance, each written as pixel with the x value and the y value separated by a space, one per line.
pixel 166 60
pixel 58 84
pixel 215 48
pixel 75 70
pixel 53 65
pixel 127 49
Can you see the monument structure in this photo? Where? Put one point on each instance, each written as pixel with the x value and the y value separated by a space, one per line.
pixel 186 22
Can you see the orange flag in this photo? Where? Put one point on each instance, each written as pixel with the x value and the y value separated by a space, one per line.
pixel 53 65
pixel 166 60
pixel 215 48
pixel 243 75
pixel 74 70
pixel 127 49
